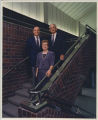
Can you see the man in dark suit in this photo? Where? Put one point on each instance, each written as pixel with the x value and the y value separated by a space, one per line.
pixel 57 43
pixel 33 48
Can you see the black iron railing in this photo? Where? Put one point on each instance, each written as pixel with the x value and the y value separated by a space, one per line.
pixel 88 27
pixel 42 94
pixel 65 56
pixel 15 66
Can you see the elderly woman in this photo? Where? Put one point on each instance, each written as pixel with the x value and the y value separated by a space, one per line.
pixel 45 62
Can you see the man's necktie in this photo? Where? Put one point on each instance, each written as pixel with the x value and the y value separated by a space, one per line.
pixel 37 41
pixel 52 39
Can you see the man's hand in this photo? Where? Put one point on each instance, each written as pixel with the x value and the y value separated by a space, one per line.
pixel 48 73
pixel 36 72
pixel 62 57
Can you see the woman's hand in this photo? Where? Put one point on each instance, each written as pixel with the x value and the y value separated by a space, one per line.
pixel 61 57
pixel 48 73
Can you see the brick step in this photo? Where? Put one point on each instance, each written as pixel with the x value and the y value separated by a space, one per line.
pixel 17 100
pixel 87 103
pixel 23 92
pixel 89 92
pixel 10 110
pixel 5 115
pixel 27 85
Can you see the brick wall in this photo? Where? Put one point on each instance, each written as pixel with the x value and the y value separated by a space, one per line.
pixel 69 83
pixel 47 112
pixel 15 35
pixel 14 44
pixel 14 50
pixel 17 29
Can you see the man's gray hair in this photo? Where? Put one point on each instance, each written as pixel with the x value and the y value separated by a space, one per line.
pixel 53 24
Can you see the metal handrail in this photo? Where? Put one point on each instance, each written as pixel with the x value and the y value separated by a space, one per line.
pixel 69 51
pixel 46 76
pixel 21 63
pixel 65 56
pixel 90 28
pixel 38 94
pixel 15 66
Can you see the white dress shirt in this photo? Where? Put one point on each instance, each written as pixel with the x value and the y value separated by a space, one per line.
pixel 36 39
pixel 54 36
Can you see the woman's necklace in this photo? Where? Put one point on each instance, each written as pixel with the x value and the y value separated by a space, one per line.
pixel 44 54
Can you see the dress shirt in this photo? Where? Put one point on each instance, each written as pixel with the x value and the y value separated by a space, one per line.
pixel 54 36
pixel 38 39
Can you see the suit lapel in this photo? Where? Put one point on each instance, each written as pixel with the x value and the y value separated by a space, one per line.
pixel 35 42
pixel 40 41
pixel 56 39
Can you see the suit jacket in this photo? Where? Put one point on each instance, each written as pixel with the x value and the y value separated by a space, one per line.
pixel 59 45
pixel 33 50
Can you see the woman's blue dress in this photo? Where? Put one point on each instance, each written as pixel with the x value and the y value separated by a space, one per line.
pixel 44 61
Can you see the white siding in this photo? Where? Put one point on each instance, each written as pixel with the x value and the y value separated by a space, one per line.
pixel 17 7
pixel 8 5
pixel 90 19
pixel 31 9
pixel 49 14
pixel 62 20
pixel 82 29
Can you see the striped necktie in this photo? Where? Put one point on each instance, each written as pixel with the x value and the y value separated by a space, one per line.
pixel 37 41
pixel 52 39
